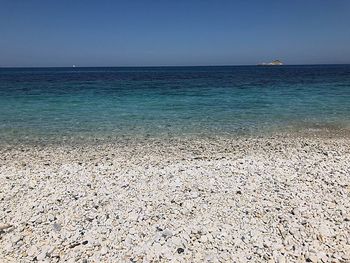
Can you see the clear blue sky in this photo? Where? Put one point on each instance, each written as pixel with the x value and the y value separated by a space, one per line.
pixel 181 32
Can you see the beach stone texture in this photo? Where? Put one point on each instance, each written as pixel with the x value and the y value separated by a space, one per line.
pixel 276 199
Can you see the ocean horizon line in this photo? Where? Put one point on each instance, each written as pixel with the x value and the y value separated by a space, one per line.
pixel 175 66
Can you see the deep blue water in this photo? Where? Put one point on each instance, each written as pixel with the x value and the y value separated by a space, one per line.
pixel 51 103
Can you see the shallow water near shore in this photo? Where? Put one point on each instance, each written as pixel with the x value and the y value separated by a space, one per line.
pixel 67 104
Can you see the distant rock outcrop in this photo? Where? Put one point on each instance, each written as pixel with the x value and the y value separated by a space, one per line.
pixel 273 63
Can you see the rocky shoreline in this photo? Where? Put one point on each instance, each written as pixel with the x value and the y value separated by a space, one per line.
pixel 276 199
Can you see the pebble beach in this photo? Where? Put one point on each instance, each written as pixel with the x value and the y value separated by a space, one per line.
pixel 264 199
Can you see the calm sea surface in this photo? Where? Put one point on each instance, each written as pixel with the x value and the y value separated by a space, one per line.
pixel 61 103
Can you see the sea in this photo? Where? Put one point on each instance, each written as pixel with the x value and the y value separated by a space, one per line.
pixel 82 103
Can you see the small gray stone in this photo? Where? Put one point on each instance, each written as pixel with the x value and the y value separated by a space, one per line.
pixel 166 233
pixel 56 227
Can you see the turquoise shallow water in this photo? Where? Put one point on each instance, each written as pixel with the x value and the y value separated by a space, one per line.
pixel 56 103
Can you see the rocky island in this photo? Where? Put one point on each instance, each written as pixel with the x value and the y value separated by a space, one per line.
pixel 273 63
